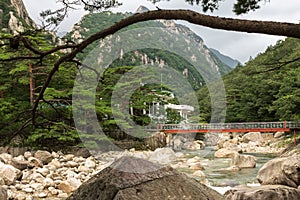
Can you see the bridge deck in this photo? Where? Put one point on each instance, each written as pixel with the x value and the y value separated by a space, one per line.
pixel 230 127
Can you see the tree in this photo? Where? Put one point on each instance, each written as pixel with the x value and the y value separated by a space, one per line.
pixel 35 52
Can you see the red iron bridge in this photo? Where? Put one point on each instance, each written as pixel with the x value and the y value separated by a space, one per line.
pixel 267 127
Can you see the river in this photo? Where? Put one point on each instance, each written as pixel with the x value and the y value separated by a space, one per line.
pixel 223 180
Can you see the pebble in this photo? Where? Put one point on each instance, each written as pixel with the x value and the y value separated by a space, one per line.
pixel 42 195
pixel 62 195
pixel 28 190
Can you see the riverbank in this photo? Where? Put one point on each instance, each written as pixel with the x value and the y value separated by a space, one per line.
pixel 53 175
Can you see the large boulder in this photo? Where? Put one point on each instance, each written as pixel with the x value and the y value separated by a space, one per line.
pixel 243 161
pixel 282 171
pixel 9 173
pixel 135 178
pixel 265 192
pixel 19 164
pixel 279 134
pixel 195 145
pixel 43 156
pixel 163 156
pixel 178 142
pixel 253 137
pixel 225 153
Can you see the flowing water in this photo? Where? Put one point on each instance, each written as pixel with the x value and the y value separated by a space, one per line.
pixel 222 180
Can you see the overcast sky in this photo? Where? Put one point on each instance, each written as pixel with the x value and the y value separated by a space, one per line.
pixel 236 45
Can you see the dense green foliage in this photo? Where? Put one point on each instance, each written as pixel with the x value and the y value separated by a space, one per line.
pixel 266 89
pixel 53 124
pixel 139 102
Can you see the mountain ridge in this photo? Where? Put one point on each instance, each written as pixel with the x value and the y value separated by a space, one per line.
pixel 94 22
pixel 226 59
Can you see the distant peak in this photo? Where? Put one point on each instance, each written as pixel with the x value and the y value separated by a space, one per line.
pixel 142 9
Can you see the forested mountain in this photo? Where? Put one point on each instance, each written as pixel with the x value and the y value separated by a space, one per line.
pixel 266 89
pixel 94 22
pixel 226 59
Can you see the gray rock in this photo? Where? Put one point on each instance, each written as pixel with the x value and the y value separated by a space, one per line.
pixel 199 174
pixel 2 182
pixel 90 163
pixel 48 182
pixel 78 152
pixel 282 171
pixel 82 152
pixel 34 162
pixel 178 142
pixel 71 164
pixel 43 171
pixel 279 134
pixel 16 151
pixel 163 156
pixel 9 173
pixel 65 186
pixel 3 193
pixel 42 195
pixel 265 192
pixel 5 158
pixel 19 164
pixel 43 156
pixel 69 157
pixel 243 161
pixel 75 183
pixel 27 154
pixel 62 195
pixel 225 153
pixel 253 136
pixel 134 178
pixel 196 145
pixel 232 168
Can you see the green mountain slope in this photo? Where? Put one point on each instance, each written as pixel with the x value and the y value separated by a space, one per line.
pixel 226 59
pixel 94 22
pixel 266 89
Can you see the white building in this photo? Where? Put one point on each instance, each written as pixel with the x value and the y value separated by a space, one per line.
pixel 183 110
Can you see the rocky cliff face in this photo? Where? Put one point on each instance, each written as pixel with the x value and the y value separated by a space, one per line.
pixel 21 10
pixel 14 16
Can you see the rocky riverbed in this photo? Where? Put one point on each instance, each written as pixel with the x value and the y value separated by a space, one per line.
pixel 54 175
pixel 42 175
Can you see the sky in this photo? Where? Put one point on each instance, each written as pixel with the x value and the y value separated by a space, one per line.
pixel 240 46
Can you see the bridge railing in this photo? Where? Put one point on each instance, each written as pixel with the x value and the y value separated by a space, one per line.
pixel 293 125
pixel 222 126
